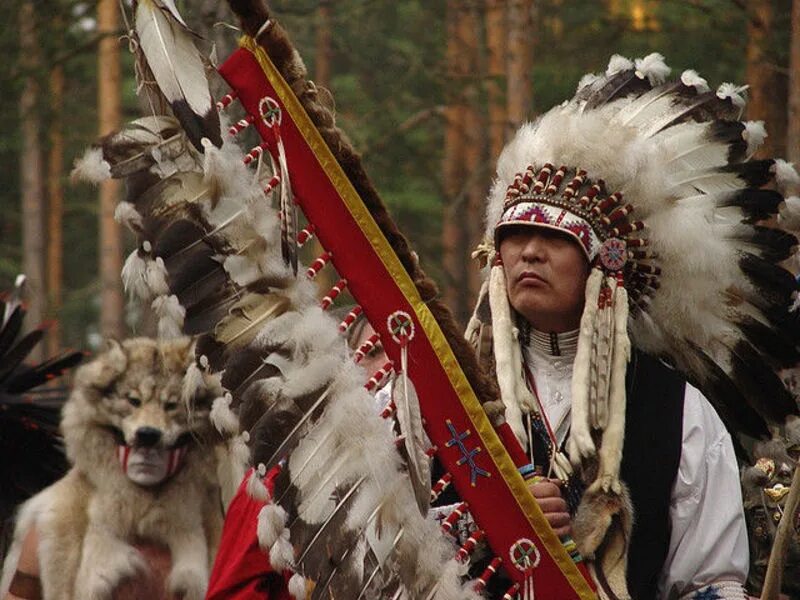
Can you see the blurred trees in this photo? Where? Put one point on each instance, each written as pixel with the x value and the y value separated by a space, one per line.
pixel 428 90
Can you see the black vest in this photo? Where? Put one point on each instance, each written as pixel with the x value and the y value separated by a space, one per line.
pixel 650 460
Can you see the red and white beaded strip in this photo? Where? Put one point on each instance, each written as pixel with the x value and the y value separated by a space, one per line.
pixel 469 546
pixel 241 125
pixel 453 517
pixel 348 321
pixel 255 152
pixel 305 235
pixel 333 294
pixel 272 184
pixel 366 347
pixel 389 410
pixel 318 264
pixel 488 573
pixel 381 374
pixel 440 486
pixel 226 100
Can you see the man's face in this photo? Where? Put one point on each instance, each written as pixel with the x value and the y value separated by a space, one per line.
pixel 546 274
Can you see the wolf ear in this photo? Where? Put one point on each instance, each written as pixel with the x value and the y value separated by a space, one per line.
pixel 106 367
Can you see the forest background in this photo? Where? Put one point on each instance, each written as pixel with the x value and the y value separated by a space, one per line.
pixel 428 90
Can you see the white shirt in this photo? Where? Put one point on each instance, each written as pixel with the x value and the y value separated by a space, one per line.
pixel 708 543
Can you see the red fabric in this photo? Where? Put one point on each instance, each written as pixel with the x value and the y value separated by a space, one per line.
pixel 242 570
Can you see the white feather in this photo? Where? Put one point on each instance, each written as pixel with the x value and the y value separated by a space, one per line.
pixel 222 417
pixel 172 56
pixel 754 134
pixel 237 446
pixel 193 382
pixel 91 167
pixel 133 276
pixel 789 216
pixel 256 488
pixel 297 587
pixel 170 316
pixel 242 270
pixel 587 80
pixel 786 177
pixel 618 63
pixel 690 78
pixel 734 93
pixel 281 553
pixel 156 277
pixel 653 68
pixel 126 214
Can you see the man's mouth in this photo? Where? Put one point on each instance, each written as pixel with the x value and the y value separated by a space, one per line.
pixel 530 277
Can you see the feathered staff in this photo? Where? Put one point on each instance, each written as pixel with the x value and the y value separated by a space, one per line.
pixel 210 262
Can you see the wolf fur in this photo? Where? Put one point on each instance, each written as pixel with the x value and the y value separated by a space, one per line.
pixel 87 521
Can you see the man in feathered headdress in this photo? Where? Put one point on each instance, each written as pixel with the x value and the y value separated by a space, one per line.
pixel 624 261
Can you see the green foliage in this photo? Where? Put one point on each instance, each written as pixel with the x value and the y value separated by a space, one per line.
pixel 388 78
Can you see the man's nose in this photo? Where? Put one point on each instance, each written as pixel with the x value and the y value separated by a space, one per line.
pixel 534 249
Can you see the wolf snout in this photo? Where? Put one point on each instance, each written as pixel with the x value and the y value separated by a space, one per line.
pixel 147 437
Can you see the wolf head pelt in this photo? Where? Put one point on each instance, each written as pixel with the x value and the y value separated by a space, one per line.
pixel 135 389
pixel 137 393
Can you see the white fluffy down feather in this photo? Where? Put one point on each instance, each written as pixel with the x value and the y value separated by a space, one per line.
pixel 754 134
pixel 298 587
pixel 653 68
pixel 170 316
pixel 91 167
pixel 272 520
pixel 222 417
pixel 255 486
pixel 126 214
pixel 281 553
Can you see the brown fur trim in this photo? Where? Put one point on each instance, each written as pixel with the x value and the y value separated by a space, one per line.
pixel 275 40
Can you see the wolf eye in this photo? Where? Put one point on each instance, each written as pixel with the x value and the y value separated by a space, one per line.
pixel 170 405
pixel 134 401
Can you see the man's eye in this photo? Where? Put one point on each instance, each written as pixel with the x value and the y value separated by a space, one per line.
pixel 134 401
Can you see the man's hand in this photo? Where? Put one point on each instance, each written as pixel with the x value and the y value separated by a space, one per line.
pixel 554 507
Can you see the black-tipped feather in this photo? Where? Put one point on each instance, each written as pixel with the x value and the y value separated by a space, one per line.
pixel 774 282
pixel 754 173
pixel 729 133
pixel 771 245
pixel 31 377
pixel 781 351
pixel 756 204
pixel 733 408
pixel 760 385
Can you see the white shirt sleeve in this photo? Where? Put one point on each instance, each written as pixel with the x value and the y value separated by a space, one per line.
pixel 708 544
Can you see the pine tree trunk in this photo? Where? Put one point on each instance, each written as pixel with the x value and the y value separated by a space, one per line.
pixel 55 170
pixel 109 104
pixel 453 242
pixel 520 61
pixel 496 30
pixel 31 170
pixel 475 174
pixel 793 116
pixel 767 89
pixel 324 53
